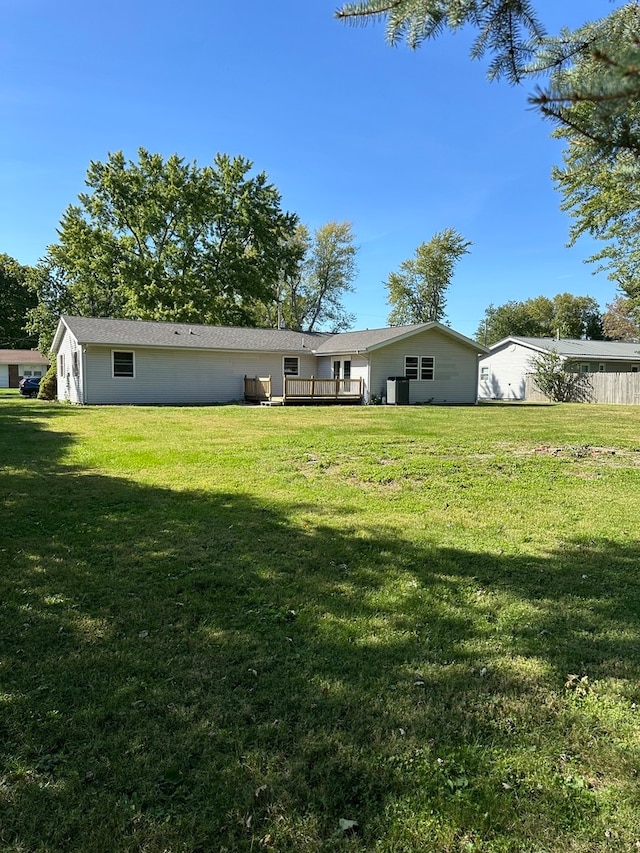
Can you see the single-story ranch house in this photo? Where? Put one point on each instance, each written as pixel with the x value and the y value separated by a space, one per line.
pixel 104 361
pixel 503 370
pixel 16 364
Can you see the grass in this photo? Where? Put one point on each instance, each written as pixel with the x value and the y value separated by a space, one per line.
pixel 360 629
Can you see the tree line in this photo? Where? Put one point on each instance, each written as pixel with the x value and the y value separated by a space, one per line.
pixel 168 240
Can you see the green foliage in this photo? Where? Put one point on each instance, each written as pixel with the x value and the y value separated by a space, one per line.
pixel 312 296
pixel 17 299
pixel 600 178
pixel 592 96
pixel 559 378
pixel 164 239
pixel 621 322
pixel 417 293
pixel 506 27
pixel 540 317
pixel 598 105
pixel 48 389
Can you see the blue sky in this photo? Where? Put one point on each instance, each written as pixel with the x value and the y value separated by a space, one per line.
pixel 401 143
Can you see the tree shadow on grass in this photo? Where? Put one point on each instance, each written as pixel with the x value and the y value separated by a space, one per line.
pixel 192 671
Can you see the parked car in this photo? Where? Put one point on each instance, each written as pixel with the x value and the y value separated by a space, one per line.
pixel 29 386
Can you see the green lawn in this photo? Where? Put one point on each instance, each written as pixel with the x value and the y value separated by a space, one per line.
pixel 242 629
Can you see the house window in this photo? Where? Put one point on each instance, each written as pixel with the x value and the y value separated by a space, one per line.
pixel 123 363
pixel 28 373
pixel 75 363
pixel 602 368
pixel 336 370
pixel 484 374
pixel 584 368
pixel 411 366
pixel 346 370
pixel 427 367
pixel 422 367
pixel 61 368
pixel 37 373
pixel 634 368
pixel 290 365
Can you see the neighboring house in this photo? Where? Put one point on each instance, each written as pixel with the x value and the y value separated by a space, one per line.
pixel 503 371
pixel 102 361
pixel 15 364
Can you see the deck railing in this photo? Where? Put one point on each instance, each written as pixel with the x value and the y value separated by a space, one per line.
pixel 312 388
pixel 260 388
pixel 257 388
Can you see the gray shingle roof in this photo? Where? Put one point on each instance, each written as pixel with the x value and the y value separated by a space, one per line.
pixel 348 342
pixel 572 348
pixel 143 333
pixel 90 330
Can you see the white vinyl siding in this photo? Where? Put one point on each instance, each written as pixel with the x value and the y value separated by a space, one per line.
pixel 70 382
pixel 455 368
pixel 183 377
pixel 505 371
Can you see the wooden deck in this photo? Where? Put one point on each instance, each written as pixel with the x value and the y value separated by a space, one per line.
pixel 302 391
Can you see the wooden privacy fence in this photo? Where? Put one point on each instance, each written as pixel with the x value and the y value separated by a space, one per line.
pixel 618 388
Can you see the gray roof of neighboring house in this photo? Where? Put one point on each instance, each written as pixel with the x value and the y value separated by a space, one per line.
pixel 142 333
pixel 22 356
pixel 572 348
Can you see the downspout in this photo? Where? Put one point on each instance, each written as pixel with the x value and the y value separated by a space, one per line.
pixel 84 375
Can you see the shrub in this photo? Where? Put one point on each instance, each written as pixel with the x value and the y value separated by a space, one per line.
pixel 48 383
pixel 559 378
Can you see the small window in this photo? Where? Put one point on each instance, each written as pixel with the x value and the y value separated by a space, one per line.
pixel 602 368
pixel 75 364
pixel 427 367
pixel 411 366
pixel 634 368
pixel 61 368
pixel 37 373
pixel 28 373
pixel 123 363
pixel 584 368
pixel 484 374
pixel 290 365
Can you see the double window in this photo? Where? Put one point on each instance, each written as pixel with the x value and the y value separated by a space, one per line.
pixel 123 362
pixel 420 367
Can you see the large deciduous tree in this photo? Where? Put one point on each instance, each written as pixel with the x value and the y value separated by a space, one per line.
pixel 164 239
pixel 621 321
pixel 417 292
pixel 313 296
pixel 565 315
pixel 17 299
